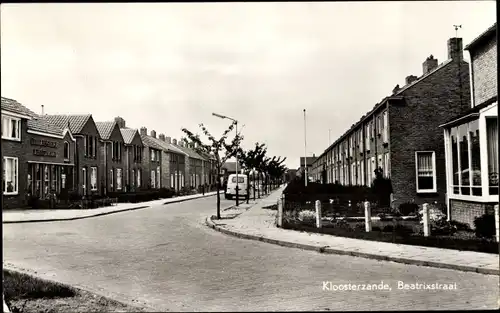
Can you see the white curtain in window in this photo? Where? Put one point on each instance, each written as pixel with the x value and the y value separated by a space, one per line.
pixel 424 164
pixel 153 178
pixel 119 178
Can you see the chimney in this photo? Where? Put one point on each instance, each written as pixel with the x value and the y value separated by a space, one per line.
pixel 169 140
pixel 395 90
pixel 120 121
pixel 429 64
pixel 455 49
pixel 175 141
pixel 162 137
pixel 153 134
pixel 144 131
pixel 410 79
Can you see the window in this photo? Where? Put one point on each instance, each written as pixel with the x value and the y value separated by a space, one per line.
pixel 172 181
pixel 353 174
pixel 373 168
pixel 111 179
pixel 492 148
pixel 153 178
pixel 387 172
pixel 84 180
pixel 11 128
pixel 30 178
pixel 132 181
pixel 119 179
pixel 358 173
pixel 241 179
pixel 10 174
pixel 380 163
pixel 380 124
pixel 91 147
pixel 362 166
pixel 386 128
pixel 152 154
pixel 158 177
pixel 93 178
pixel 182 180
pixel 112 150
pixel 368 133
pixel 176 180
pixel 426 171
pixel 475 158
pixel 38 179
pixel 46 179
pixel 138 178
pixel 85 145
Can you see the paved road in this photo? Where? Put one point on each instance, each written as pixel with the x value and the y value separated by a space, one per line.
pixel 165 257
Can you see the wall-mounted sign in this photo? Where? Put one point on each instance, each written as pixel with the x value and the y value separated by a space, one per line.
pixel 43 143
pixel 39 152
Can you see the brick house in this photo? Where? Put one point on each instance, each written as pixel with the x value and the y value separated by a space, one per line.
pixel 113 157
pixel 471 139
pixel 38 157
pixel 173 163
pixel 401 134
pixel 194 163
pixel 310 161
pixel 209 170
pixel 88 165
pixel 133 156
pixel 152 160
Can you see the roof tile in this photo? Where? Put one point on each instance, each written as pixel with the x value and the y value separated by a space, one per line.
pixel 76 122
pixel 105 129
pixel 16 107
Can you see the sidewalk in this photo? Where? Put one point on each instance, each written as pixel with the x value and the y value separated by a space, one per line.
pixel 260 224
pixel 30 216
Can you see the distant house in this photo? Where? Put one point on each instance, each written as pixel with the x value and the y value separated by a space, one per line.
pixel 133 156
pixel 152 159
pixel 310 162
pixel 471 139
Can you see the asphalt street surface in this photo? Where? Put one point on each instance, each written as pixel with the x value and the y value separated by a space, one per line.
pixel 167 258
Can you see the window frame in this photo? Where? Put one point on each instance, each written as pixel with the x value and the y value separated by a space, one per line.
pixel 15 161
pixel 434 177
pixel 9 119
pixel 119 178
pixel 66 149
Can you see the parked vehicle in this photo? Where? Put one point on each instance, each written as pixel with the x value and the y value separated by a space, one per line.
pixel 242 186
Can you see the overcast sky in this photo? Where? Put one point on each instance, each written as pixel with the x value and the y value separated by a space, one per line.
pixel 168 66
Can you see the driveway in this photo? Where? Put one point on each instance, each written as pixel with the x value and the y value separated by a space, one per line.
pixel 166 258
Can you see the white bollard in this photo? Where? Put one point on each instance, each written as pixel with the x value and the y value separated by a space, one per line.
pixel 497 223
pixel 368 217
pixel 280 212
pixel 318 214
pixel 425 217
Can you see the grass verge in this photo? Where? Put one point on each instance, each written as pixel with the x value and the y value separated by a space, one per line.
pixel 26 294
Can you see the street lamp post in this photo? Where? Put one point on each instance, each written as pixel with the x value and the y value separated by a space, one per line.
pixel 236 156
pixel 305 149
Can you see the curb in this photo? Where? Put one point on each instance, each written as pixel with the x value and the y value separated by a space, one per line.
pixel 115 297
pixel 97 214
pixel 329 250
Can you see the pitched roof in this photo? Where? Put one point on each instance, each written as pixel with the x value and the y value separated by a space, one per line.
pixel 105 129
pixel 76 122
pixel 149 141
pixel 190 152
pixel 230 166
pixel 168 146
pixel 128 134
pixel 41 125
pixel 16 107
pixel 482 37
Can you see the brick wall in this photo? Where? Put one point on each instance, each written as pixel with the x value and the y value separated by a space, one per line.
pixel 414 126
pixel 165 169
pixel 88 162
pixel 467 211
pixel 484 71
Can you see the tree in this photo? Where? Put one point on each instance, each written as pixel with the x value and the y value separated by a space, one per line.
pixel 250 160
pixel 273 169
pixel 218 148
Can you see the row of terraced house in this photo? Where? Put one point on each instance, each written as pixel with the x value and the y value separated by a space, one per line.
pixel 402 135
pixel 62 154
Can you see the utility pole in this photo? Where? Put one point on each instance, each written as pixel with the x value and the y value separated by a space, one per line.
pixel 305 149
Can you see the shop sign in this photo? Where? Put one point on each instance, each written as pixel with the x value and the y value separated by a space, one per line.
pixel 43 143
pixel 44 153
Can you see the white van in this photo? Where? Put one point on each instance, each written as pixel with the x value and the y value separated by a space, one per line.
pixel 242 186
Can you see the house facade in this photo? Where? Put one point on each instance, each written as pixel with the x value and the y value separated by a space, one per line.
pixel 401 136
pixel 113 157
pixel 471 139
pixel 194 164
pixel 152 159
pixel 133 156
pixel 37 157
pixel 310 163
pixel 88 164
pixel 173 166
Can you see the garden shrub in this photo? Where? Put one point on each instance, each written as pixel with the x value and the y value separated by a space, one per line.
pixel 307 216
pixel 443 227
pixel 408 208
pixel 485 226
pixel 461 226
pixel 435 214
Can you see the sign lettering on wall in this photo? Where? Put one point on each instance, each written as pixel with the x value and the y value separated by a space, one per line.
pixel 43 143
pixel 40 152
